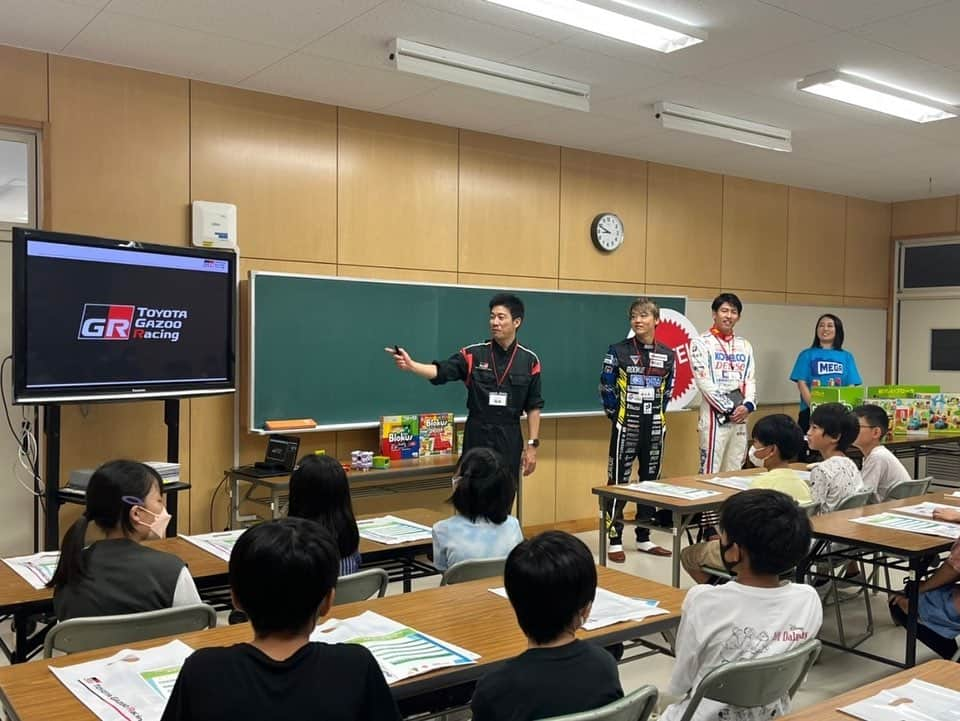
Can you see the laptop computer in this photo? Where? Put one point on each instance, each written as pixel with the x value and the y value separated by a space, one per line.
pixel 280 458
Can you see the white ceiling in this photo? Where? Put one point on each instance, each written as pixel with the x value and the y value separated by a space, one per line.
pixel 334 51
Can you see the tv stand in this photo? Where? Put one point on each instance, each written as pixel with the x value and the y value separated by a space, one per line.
pixel 55 496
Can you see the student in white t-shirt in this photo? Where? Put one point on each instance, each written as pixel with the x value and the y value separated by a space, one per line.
pixel 832 431
pixel 881 469
pixel 762 534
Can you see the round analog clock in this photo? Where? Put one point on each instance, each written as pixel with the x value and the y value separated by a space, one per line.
pixel 606 231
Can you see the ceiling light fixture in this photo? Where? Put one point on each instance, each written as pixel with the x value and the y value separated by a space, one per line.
pixel 874 95
pixel 726 127
pixel 432 62
pixel 637 26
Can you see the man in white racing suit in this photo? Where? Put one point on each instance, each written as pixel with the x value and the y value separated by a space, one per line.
pixel 724 371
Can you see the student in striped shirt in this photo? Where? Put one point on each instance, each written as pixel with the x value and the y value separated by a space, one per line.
pixel 319 490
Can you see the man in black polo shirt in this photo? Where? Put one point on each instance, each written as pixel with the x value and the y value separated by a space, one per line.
pixel 502 379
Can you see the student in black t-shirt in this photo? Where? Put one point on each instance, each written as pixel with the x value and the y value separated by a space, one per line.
pixel 282 575
pixel 551 581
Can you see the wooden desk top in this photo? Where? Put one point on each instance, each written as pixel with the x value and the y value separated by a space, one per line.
pixel 682 504
pixel 428 467
pixel 920 439
pixel 465 614
pixel 942 673
pixel 837 526
pixel 14 591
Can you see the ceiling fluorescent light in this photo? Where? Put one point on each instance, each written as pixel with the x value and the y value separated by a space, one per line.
pixel 874 95
pixel 637 26
pixel 433 62
pixel 694 120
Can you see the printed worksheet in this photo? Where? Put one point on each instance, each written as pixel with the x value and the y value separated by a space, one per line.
pixel 36 569
pixel 610 608
pixel 665 489
pixel 128 686
pixel 220 543
pixel 913 701
pixel 911 524
pixel 738 482
pixel 391 530
pixel 926 508
pixel 401 652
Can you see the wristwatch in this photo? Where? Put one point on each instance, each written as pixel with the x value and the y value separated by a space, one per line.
pixel 534 442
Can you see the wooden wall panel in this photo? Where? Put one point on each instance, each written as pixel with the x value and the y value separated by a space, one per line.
pixel 692 292
pixel 591 183
pixel 401 274
pixel 23 77
pixel 119 144
pixel 684 214
pixel 866 265
pixel 276 159
pixel 582 446
pixel 681 454
pixel 509 206
pixel 599 286
pixel 397 195
pixel 506 282
pixel 754 254
pixel 815 242
pixel 928 216
pixel 539 489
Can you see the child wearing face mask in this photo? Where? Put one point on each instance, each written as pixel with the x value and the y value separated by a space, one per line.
pixel 551 581
pixel 118 574
pixel 777 441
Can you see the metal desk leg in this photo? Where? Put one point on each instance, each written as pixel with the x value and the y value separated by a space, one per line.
pixel 603 534
pixel 274 503
pixel 677 537
pixel 172 510
pixel 407 573
pixel 234 502
pixel 19 654
pixel 916 461
pixel 913 601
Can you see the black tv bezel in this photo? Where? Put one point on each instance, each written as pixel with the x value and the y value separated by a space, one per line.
pixel 26 396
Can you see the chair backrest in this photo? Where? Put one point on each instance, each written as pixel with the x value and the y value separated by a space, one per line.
pixel 472 570
pixel 635 706
pixel 857 500
pixel 84 634
pixel 757 682
pixel 810 508
pixel 361 585
pixel 909 489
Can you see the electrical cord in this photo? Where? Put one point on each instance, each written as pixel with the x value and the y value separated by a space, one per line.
pixel 213 497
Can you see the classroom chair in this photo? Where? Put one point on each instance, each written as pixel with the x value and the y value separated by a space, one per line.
pixel 361 585
pixel 84 634
pixel 472 570
pixel 757 682
pixel 635 706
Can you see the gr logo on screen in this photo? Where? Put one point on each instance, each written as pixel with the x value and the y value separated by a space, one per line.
pixel 106 322
pixel 123 322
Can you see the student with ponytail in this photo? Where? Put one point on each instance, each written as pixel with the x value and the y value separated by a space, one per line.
pixel 118 574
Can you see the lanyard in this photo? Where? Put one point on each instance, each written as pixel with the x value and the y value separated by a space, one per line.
pixel 493 362
pixel 727 349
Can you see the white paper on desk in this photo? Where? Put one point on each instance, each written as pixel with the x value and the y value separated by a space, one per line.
pixel 36 569
pixel 738 482
pixel 926 508
pixel 401 652
pixel 391 530
pixel 955 494
pixel 220 543
pixel 912 524
pixel 128 686
pixel 914 701
pixel 665 489
pixel 610 608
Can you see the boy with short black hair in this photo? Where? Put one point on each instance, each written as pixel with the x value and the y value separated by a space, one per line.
pixel 833 429
pixel 777 440
pixel 762 534
pixel 282 575
pixel 881 469
pixel 551 581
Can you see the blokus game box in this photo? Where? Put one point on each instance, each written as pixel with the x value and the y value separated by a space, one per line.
pixel 400 437
pixel 436 434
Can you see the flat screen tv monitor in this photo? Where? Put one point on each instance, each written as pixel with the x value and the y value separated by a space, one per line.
pixel 99 319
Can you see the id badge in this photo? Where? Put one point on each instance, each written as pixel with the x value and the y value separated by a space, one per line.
pixel 498 399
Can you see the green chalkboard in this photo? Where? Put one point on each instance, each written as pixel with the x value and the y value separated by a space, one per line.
pixel 317 345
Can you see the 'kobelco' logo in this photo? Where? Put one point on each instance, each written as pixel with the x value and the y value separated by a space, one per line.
pixel 123 322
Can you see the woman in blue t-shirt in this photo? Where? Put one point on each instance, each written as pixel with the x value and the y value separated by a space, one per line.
pixel 824 363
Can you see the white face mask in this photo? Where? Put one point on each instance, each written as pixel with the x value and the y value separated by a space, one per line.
pixel 160 521
pixel 754 459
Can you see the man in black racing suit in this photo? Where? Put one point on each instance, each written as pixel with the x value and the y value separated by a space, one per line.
pixel 635 385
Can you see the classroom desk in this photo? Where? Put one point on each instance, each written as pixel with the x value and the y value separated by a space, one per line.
pixel 464 614
pixel 21 601
pixel 916 548
pixel 942 673
pixel 278 486
pixel 920 444
pixel 683 510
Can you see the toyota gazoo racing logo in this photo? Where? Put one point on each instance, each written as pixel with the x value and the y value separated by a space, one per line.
pixel 124 322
